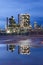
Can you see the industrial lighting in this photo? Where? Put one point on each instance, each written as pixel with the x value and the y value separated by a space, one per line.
pixel 8 31
pixel 13 30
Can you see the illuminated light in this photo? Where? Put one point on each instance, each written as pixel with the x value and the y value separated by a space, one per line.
pixel 14 31
pixel 8 31
pixel 30 26
pixel 24 49
pixel 22 17
pixel 27 16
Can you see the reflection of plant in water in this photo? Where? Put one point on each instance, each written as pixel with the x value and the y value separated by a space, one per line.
pixel 11 47
pixel 24 49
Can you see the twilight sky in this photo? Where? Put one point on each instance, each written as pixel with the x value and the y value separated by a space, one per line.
pixel 13 7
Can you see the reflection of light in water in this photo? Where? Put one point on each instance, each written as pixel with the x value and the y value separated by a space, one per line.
pixel 24 49
pixel 25 42
pixel 6 40
pixel 24 46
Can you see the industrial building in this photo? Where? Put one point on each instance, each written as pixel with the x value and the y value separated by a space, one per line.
pixel 23 20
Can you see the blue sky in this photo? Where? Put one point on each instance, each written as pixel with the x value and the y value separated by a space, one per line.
pixel 13 7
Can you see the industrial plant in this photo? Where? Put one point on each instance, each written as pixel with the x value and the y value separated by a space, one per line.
pixel 22 27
